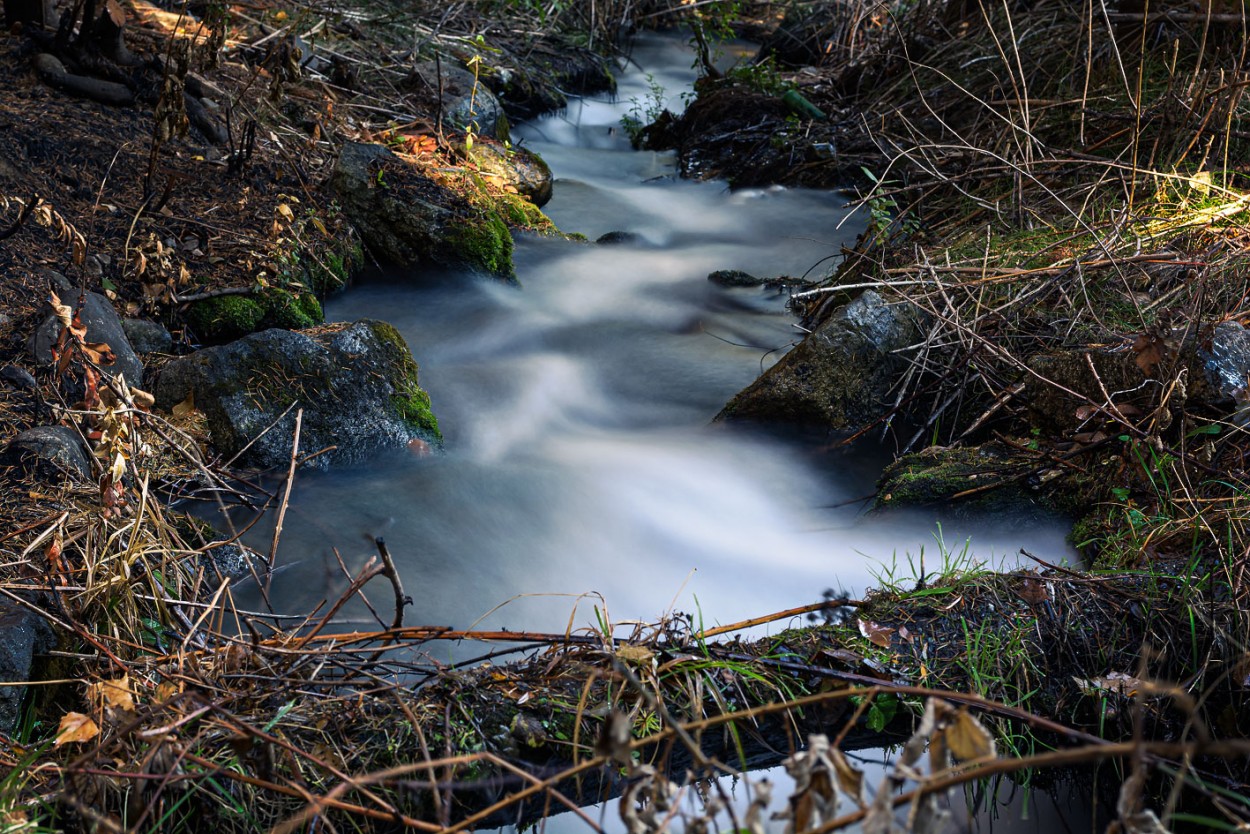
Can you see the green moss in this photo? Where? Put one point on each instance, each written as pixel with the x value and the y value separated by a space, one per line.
pixel 331 270
pixel 409 399
pixel 522 214
pixel 484 242
pixel 226 317
pixel 290 311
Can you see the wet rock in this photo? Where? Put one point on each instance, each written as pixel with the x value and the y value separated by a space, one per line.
pixel 103 325
pixel 400 224
pixel 522 169
pixel 147 336
pixel 620 239
pixel 232 561
pixel 23 634
pixel 734 278
pixel 1227 362
pixel 357 384
pixel 49 452
pixel 528 730
pixel 839 376
pixel 468 103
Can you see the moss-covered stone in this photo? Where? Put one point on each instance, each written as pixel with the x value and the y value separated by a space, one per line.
pixel 409 399
pixel 226 317
pixel 356 385
pixel 290 311
pixel 483 242
pixel 993 476
pixel 328 271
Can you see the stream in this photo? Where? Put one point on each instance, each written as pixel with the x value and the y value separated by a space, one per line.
pixel 581 469
pixel 580 462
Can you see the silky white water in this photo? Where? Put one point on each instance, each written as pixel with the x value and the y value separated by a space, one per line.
pixel 580 458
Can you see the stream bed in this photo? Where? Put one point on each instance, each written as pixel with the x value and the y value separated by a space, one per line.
pixel 580 459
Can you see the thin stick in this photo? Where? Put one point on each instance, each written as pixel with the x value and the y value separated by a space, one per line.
pixel 286 499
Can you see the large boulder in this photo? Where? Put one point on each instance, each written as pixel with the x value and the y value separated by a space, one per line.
pixel 102 323
pixel 356 383
pixel 23 634
pixel 392 204
pixel 49 452
pixel 839 376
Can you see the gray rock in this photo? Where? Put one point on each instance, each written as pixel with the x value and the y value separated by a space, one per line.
pixel 840 375
pixel 1227 363
pixel 19 378
pixel 23 634
pixel 103 325
pixel 232 561
pixel 734 278
pixel 147 336
pixel 522 169
pixel 467 102
pixel 357 384
pixel 50 452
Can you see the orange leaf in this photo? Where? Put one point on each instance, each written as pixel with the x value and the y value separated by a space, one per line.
pixel 114 693
pixel 75 727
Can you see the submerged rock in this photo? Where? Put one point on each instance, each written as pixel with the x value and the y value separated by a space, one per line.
pixel 400 221
pixel 49 452
pixel 356 383
pixel 840 375
pixel 23 634
pixel 734 278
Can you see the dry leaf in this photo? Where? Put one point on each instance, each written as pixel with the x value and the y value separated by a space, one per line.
pixel 1149 349
pixel 184 408
pixel 75 727
pixel 638 655
pixel 878 635
pixel 142 399
pixel 850 780
pixel 1117 682
pixel 285 210
pixel 114 693
pixel 968 739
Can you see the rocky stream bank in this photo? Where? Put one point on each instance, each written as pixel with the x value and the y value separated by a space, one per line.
pixel 177 209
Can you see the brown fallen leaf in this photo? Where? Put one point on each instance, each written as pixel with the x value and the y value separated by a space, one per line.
pixel 878 635
pixel 967 738
pixel 75 727
pixel 185 407
pixel 1149 349
pixel 114 693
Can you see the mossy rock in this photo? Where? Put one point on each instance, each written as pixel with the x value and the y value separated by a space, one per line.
pixel 226 317
pixel 357 385
pixel 990 477
pixel 229 317
pixel 405 218
pixel 288 310
pixel 842 375
pixel 482 242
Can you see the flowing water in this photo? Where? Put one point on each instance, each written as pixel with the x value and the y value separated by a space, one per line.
pixel 579 457
pixel 580 465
